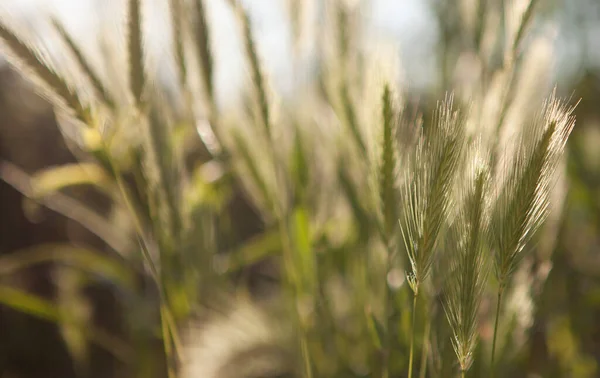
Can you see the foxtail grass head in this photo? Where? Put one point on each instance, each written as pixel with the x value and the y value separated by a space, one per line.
pixel 466 244
pixel 427 196
pixel 523 200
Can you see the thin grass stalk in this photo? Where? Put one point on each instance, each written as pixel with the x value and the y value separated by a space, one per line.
pixel 84 64
pixel 260 92
pixel 291 274
pixel 507 90
pixel 508 64
pixel 262 100
pixel 258 78
pixel 351 118
pixel 33 65
pixel 202 41
pixel 523 24
pixel 241 146
pixel 348 107
pixel 167 344
pixel 135 49
pixel 163 163
pixel 296 9
pixel 161 156
pixel 204 50
pixel 387 200
pixel 425 349
pixel 146 246
pixel 496 321
pixel 177 28
pixel 412 334
pixel 482 6
pixel 386 309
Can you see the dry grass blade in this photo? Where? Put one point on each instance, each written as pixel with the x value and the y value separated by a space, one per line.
pixel 34 67
pixel 137 76
pixel 84 65
pixel 205 57
pixel 523 201
pixel 464 289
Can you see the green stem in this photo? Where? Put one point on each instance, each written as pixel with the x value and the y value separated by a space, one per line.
pixel 386 308
pixel 172 344
pixel 167 344
pixel 462 373
pixel 498 305
pixel 425 350
pixel 412 334
pixel 293 286
pixel 305 354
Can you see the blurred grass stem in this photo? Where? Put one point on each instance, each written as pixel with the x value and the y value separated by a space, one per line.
pixel 412 334
pixel 497 317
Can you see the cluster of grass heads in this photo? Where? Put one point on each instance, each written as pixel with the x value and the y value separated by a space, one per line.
pixel 387 225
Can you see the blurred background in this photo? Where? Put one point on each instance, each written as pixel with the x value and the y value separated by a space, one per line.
pixel 565 331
